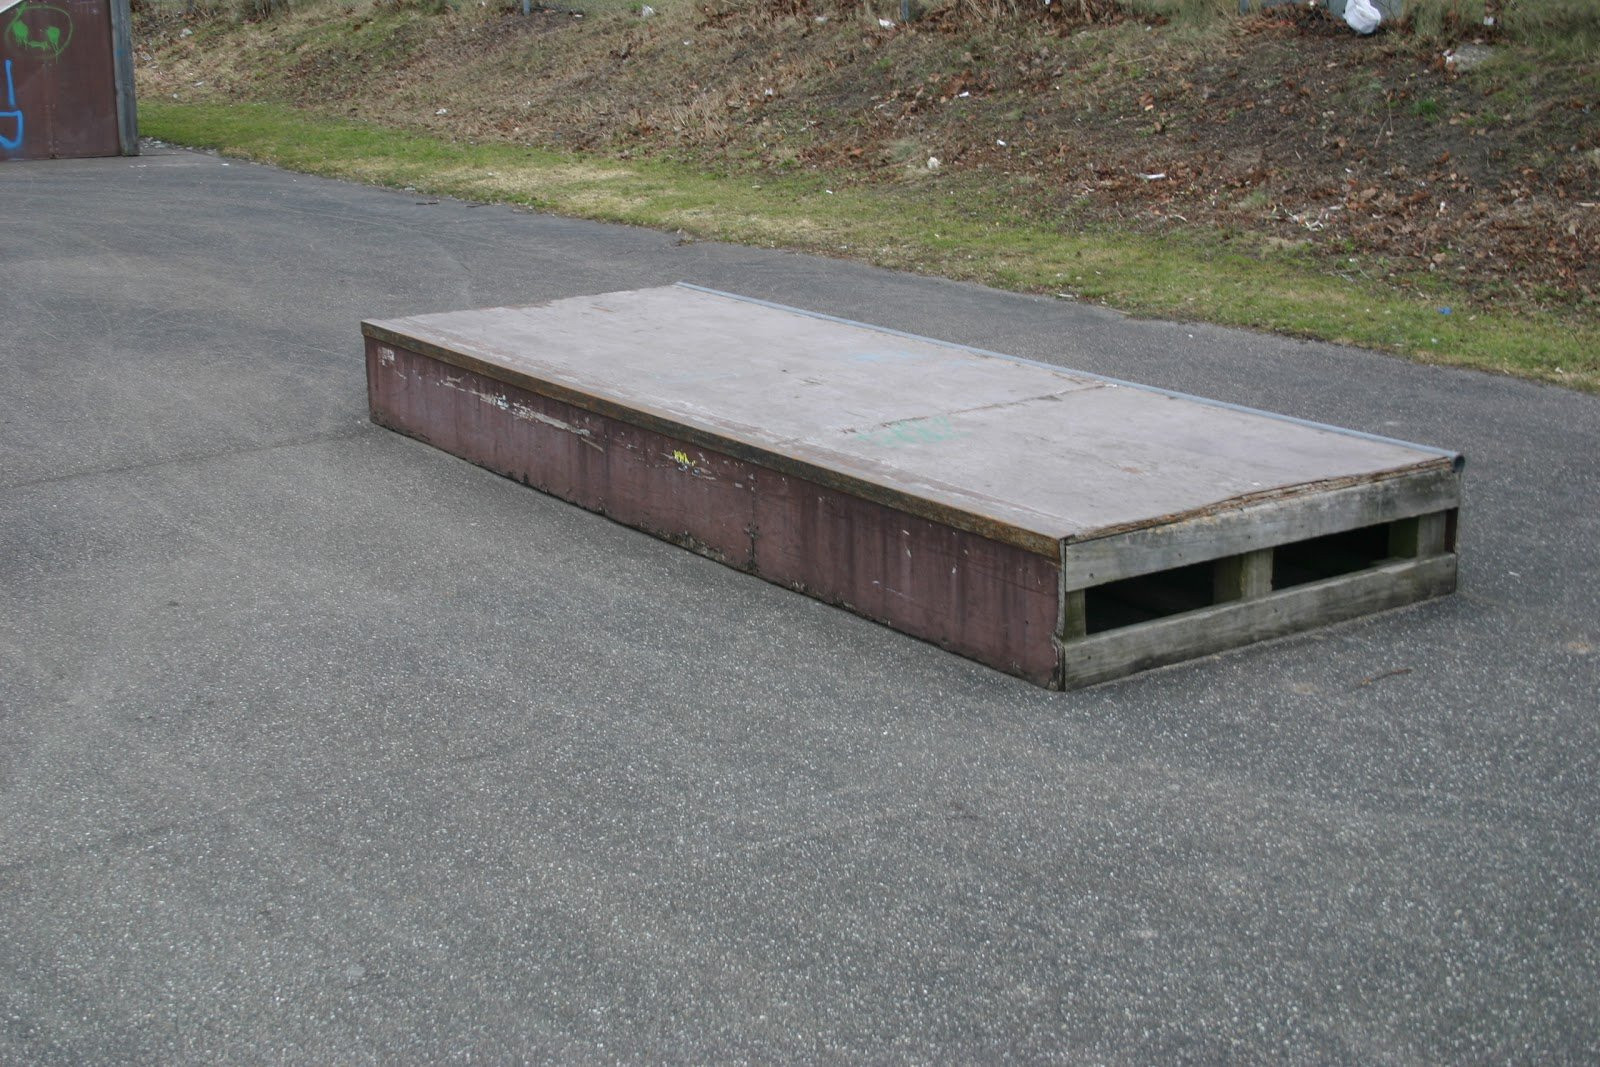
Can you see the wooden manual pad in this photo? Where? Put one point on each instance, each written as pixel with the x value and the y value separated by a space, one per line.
pixel 1063 527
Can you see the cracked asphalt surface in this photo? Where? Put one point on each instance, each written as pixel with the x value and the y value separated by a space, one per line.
pixel 318 745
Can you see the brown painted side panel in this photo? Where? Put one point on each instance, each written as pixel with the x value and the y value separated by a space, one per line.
pixel 675 491
pixel 989 601
pixel 992 602
pixel 58 95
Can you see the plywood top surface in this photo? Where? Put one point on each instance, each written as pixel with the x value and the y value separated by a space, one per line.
pixel 1043 450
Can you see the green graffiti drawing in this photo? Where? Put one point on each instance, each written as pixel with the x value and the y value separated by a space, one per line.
pixel 40 28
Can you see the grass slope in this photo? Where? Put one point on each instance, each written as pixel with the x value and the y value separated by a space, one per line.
pixel 1275 173
pixel 956 235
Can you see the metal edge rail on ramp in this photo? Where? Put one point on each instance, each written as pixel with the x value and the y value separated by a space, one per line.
pixel 1064 527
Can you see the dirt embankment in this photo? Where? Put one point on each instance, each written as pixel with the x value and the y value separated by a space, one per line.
pixel 1380 157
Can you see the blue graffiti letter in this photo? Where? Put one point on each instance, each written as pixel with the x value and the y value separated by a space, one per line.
pixel 11 143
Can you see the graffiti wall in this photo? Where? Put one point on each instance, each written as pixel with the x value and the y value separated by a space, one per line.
pixel 66 79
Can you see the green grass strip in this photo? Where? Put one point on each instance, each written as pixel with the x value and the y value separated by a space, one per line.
pixel 948 226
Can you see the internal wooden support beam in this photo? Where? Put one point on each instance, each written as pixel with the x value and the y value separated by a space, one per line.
pixel 1423 535
pixel 1243 577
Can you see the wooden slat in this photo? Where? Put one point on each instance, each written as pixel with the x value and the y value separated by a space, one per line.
pixel 1074 615
pixel 122 76
pixel 1198 633
pixel 1418 537
pixel 1243 577
pixel 1257 526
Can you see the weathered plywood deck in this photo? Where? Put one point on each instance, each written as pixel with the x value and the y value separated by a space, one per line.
pixel 1046 522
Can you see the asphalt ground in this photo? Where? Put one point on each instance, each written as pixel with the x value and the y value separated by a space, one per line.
pixel 318 745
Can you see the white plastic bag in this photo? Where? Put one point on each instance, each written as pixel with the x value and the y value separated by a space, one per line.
pixel 1362 16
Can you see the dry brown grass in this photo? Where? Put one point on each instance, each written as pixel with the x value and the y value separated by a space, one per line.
pixel 1288 135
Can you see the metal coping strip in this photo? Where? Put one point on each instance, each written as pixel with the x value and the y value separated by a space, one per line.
pixel 1457 460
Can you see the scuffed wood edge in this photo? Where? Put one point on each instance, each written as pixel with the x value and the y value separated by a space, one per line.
pixel 1260 525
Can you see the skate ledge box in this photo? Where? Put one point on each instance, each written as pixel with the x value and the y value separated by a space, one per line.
pixel 1059 526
